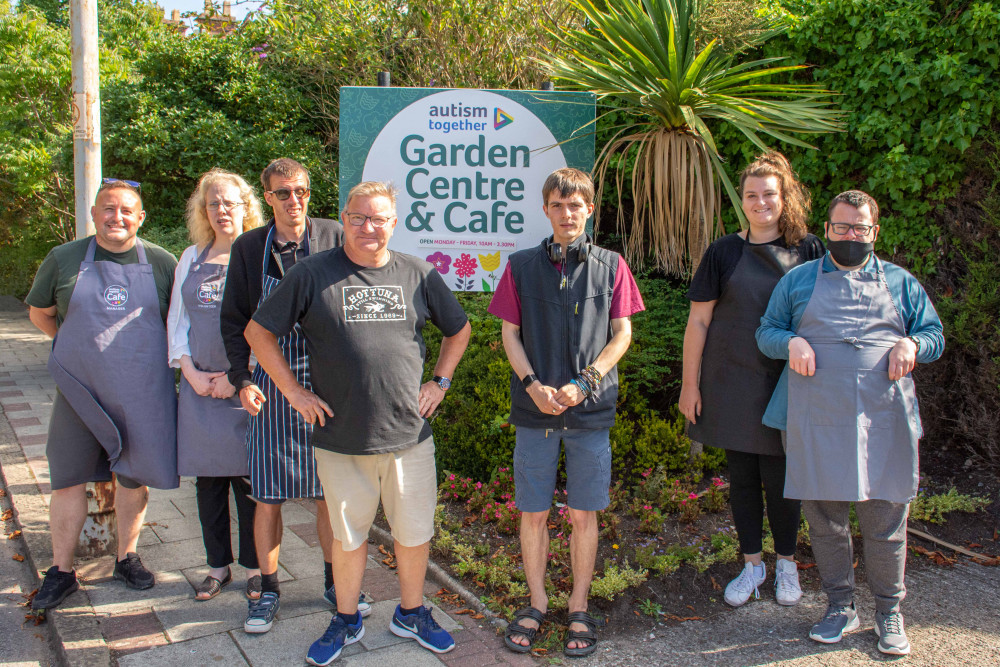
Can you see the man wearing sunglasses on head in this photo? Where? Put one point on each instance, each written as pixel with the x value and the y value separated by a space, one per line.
pixel 282 465
pixel 852 327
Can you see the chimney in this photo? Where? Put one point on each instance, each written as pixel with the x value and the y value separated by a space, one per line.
pixel 208 7
pixel 226 9
pixel 175 15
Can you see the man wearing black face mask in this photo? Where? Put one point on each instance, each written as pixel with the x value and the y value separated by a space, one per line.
pixel 852 327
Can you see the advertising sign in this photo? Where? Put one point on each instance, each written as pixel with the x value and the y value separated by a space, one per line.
pixel 469 166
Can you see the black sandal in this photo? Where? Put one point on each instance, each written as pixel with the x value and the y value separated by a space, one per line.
pixel 515 628
pixel 589 635
pixel 212 586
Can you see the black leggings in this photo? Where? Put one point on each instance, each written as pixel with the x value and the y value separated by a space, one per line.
pixel 213 511
pixel 747 473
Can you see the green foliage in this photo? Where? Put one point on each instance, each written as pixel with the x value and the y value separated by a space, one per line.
pixel 650 608
pixel 615 580
pixel 918 82
pixel 200 102
pixel 932 508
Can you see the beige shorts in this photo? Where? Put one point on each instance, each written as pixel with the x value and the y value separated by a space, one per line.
pixel 406 482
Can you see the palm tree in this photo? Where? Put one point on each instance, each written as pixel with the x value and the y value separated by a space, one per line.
pixel 644 55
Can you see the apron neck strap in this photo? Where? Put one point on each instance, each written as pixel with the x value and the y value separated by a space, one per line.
pixel 140 251
pixel 267 251
pixel 91 249
pixel 204 254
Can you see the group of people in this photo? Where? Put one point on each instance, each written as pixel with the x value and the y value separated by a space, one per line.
pixel 797 361
pixel 301 354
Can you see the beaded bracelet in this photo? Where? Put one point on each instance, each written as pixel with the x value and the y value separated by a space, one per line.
pixel 587 391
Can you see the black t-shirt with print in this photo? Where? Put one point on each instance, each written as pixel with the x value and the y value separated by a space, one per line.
pixel 364 335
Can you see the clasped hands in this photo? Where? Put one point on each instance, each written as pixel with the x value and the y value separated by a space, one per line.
pixel 552 401
pixel 902 358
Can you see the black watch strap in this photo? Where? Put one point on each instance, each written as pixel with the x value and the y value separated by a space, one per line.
pixel 443 382
pixel 529 380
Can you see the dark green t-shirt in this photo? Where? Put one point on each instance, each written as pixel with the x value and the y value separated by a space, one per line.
pixel 56 277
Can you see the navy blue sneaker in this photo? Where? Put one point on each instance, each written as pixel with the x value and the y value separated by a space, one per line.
pixel 260 615
pixel 331 596
pixel 422 627
pixel 339 634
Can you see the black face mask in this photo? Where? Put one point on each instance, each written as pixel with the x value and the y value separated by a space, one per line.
pixel 850 253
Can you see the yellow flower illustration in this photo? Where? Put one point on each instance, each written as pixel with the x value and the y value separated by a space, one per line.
pixel 490 262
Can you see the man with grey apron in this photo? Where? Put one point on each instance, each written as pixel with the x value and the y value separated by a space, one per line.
pixel 852 327
pixel 104 300
pixel 281 460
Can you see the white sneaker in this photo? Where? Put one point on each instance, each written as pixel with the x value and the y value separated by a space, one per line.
pixel 742 587
pixel 786 583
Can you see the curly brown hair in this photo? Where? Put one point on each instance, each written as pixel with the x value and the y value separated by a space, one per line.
pixel 796 202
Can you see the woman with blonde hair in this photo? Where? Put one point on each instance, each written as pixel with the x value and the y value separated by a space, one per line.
pixel 211 422
pixel 727 382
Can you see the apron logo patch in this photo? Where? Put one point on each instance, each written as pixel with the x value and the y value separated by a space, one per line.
pixel 374 304
pixel 116 295
pixel 208 292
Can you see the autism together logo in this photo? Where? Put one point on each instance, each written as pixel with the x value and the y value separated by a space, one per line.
pixel 453 117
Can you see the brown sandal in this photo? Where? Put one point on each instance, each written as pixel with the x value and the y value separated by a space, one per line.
pixel 211 587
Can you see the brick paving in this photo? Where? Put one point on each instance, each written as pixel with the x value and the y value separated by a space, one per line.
pixel 106 619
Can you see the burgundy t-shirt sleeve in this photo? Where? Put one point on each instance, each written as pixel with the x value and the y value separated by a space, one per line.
pixel 625 297
pixel 506 304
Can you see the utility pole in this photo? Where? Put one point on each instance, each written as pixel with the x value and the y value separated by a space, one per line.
pixel 99 531
pixel 86 111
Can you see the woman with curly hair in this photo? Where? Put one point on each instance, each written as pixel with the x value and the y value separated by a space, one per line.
pixel 211 422
pixel 727 382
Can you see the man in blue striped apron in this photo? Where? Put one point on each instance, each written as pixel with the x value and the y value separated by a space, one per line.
pixel 852 327
pixel 280 452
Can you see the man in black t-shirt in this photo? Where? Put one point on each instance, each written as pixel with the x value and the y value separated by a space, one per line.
pixel 362 310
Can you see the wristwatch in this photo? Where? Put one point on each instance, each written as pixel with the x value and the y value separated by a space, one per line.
pixel 529 380
pixel 443 382
pixel 916 341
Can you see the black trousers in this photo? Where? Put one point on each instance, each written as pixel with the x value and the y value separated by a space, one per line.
pixel 748 473
pixel 213 511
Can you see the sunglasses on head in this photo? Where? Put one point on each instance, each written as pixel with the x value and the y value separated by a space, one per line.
pixel 284 193
pixel 105 182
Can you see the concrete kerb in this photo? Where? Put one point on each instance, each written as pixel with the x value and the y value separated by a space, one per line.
pixel 76 634
pixel 438 574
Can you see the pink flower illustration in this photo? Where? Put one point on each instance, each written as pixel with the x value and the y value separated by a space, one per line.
pixel 465 266
pixel 441 262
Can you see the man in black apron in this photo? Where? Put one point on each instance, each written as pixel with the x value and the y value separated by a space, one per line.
pixel 852 328
pixel 104 300
pixel 281 459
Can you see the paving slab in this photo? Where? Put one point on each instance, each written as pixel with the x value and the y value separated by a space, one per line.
pixel 214 650
pixel 409 654
pixel 288 641
pixel 113 597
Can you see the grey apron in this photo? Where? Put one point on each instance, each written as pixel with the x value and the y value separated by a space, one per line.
pixel 282 464
pixel 737 380
pixel 109 362
pixel 852 432
pixel 211 432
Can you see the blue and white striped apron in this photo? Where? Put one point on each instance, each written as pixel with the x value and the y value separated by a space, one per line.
pixel 282 464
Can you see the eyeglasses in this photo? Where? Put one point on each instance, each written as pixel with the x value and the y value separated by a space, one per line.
pixel 844 227
pixel 112 181
pixel 225 205
pixel 284 193
pixel 359 220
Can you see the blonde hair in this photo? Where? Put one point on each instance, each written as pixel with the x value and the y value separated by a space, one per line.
pixel 373 189
pixel 199 228
pixel 795 200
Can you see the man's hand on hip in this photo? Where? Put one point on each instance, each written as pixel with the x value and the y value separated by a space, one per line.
pixel 544 397
pixel 902 358
pixel 312 408
pixel 801 357
pixel 252 398
pixel 431 395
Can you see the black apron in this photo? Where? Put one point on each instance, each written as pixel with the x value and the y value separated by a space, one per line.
pixel 282 464
pixel 211 432
pixel 737 380
pixel 109 361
